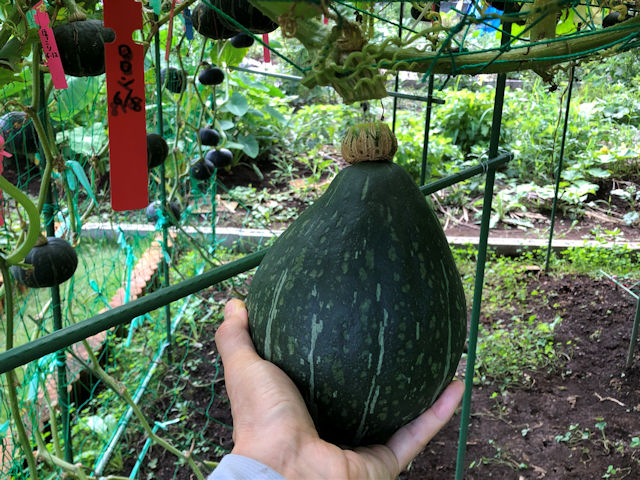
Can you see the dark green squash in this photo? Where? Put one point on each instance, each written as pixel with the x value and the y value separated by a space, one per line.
pixel 242 40
pixel 172 216
pixel 211 76
pixel 19 134
pixel 81 46
pixel 360 302
pixel 202 169
pixel 157 150
pixel 213 25
pixel 54 262
pixel 174 79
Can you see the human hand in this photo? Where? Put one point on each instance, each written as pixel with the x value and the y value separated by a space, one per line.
pixel 271 423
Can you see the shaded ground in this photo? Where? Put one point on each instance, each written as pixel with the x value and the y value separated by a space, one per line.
pixel 577 422
pixel 603 220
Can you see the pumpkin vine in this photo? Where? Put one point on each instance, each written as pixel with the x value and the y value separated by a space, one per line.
pixel 33 228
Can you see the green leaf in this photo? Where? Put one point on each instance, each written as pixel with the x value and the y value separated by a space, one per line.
pixel 71 180
pixel 225 124
pixel 598 172
pixel 237 105
pixel 84 140
pixel 249 145
pixel 82 178
pixel 13 83
pixel 234 146
pixel 80 93
pixel 231 56
pixel 275 114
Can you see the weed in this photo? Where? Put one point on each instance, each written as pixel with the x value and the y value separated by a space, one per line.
pixel 507 352
pixel 502 456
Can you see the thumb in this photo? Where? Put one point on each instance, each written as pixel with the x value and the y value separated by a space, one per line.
pixel 233 340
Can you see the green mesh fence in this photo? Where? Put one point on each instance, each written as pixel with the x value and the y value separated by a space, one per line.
pixel 356 52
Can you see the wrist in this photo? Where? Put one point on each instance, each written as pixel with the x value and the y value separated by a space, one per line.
pixel 274 458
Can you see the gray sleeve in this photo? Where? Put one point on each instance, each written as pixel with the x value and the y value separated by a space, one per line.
pixel 238 467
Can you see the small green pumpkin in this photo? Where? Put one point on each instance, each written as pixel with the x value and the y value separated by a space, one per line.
pixel 19 134
pixel 53 261
pixel 157 150
pixel 81 46
pixel 359 301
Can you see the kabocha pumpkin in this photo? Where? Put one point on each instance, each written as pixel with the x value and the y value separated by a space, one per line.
pixel 54 261
pixel 19 134
pixel 220 157
pixel 211 76
pixel 359 301
pixel 173 79
pixel 157 150
pixel 172 216
pixel 209 136
pixel 241 40
pixel 202 169
pixel 209 23
pixel 81 46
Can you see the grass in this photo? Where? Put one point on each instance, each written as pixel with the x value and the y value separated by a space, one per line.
pixel 510 345
pixel 102 267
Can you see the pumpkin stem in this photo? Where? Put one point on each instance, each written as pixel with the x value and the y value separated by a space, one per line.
pixel 369 142
pixel 75 14
pixel 42 240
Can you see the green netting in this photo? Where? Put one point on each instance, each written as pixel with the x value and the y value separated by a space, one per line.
pixel 356 52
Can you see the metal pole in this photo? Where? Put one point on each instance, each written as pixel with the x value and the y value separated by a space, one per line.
pixel 479 279
pixel 40 347
pixel 427 127
pixel 427 120
pixel 61 355
pixel 164 268
pixel 466 173
pixel 396 85
pixel 114 317
pixel 559 168
pixel 634 335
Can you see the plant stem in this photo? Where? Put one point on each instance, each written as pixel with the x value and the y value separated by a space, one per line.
pixel 33 229
pixel 12 380
pixel 75 14
pixel 48 147
pixel 121 391
pixel 53 420
pixel 75 470
pixel 161 21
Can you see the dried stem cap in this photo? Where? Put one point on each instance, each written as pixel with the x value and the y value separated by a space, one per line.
pixel 369 142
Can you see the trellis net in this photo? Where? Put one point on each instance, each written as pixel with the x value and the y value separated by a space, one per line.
pixel 354 47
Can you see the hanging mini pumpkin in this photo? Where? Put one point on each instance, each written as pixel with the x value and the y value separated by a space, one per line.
pixel 54 262
pixel 81 46
pixel 210 24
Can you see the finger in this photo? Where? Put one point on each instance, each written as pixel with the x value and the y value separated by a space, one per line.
pixel 233 339
pixel 411 439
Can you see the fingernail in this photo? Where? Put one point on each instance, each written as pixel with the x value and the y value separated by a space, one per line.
pixel 234 305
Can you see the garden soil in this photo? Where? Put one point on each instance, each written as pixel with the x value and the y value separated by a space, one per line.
pixel 574 422
pixel 577 421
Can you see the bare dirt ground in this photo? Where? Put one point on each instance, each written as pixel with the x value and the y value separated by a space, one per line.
pixel 575 422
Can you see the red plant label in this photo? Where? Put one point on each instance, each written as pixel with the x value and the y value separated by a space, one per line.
pixel 170 33
pixel 266 52
pixel 124 62
pixel 49 46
